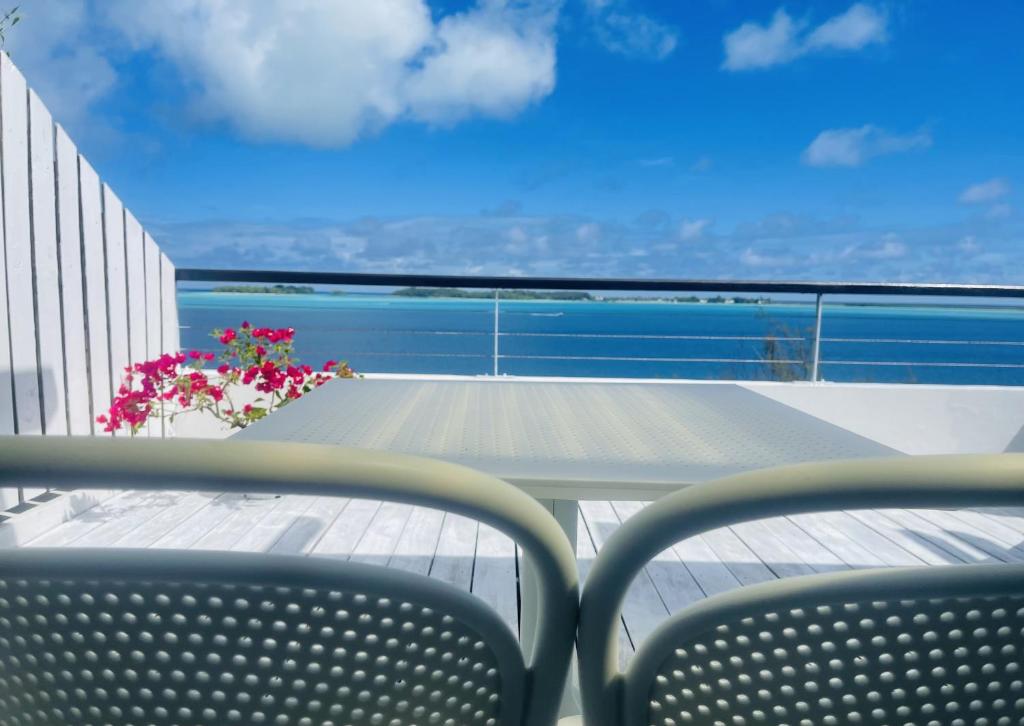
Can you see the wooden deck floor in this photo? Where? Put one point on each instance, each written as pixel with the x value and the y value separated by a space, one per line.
pixel 483 561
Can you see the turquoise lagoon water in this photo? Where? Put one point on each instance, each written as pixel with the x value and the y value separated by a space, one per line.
pixel 383 333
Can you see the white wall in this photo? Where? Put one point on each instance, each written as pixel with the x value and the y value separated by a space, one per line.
pixel 84 290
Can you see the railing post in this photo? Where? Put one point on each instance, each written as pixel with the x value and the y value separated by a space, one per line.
pixel 816 350
pixel 496 298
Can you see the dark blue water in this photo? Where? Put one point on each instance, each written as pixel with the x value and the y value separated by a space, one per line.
pixel 381 333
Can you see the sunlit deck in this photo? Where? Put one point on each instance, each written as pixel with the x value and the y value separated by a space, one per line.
pixel 478 559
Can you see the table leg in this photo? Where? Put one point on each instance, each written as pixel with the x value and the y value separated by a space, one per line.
pixel 566 513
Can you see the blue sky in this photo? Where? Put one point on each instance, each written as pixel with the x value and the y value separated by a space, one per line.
pixel 653 138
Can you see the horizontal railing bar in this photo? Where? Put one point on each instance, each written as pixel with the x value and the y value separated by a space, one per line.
pixel 371 279
pixel 923 341
pixel 619 336
pixel 922 364
pixel 646 360
pixel 420 355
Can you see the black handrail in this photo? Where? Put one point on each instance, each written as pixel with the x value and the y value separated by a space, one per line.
pixel 586 283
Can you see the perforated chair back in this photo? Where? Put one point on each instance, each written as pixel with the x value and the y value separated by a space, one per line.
pixel 185 638
pixel 920 645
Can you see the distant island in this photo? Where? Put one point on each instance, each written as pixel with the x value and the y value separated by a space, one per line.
pixel 267 289
pixel 454 292
pixel 487 294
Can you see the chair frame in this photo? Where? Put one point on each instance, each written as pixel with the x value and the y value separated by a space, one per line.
pixel 308 469
pixel 938 481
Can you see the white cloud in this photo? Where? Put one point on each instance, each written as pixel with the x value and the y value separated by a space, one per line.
pixel 631 34
pixel 588 232
pixel 702 164
pixel 986 191
pixel 854 146
pixel 691 229
pixel 999 211
pixel 325 74
pixel 890 249
pixel 759 46
pixel 859 26
pixel 752 258
pixel 753 45
pixel 969 244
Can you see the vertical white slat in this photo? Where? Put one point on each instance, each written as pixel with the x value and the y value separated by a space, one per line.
pixel 117 285
pixel 169 340
pixel 18 241
pixel 8 496
pixel 135 269
pixel 72 299
pixel 94 278
pixel 135 257
pixel 49 326
pixel 153 312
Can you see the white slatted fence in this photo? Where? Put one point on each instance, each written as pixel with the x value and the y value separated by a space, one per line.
pixel 85 290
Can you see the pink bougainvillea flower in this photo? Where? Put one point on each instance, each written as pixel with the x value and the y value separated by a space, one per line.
pixel 176 382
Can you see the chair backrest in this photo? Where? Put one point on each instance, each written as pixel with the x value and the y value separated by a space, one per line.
pixel 182 637
pixel 910 645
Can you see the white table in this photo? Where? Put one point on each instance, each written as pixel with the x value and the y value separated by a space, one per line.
pixel 566 441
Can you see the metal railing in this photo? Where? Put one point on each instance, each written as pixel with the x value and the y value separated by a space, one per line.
pixel 819 290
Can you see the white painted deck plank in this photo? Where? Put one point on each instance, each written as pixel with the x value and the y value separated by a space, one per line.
pixel 808 549
pixel 68 532
pixel 418 543
pixel 189 531
pixel 303 534
pixel 670 576
pixel 913 542
pixel 643 608
pixel 456 548
pixel 852 553
pixel 985 540
pixel 246 512
pixel 586 554
pixel 381 537
pixel 116 531
pixel 887 551
pixel 710 573
pixel 167 518
pixel 342 537
pixel 270 528
pixel 998 527
pixel 938 536
pixel 742 562
pixel 494 574
pixel 783 561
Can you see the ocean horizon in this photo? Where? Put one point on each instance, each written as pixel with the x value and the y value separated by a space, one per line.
pixel 385 333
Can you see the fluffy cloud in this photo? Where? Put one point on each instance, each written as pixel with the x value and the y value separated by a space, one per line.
pixel 854 146
pixel 629 33
pixel 779 246
pixel 986 191
pixel 691 229
pixel 325 74
pixel 784 39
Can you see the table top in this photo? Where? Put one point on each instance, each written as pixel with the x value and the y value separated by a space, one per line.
pixel 568 440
